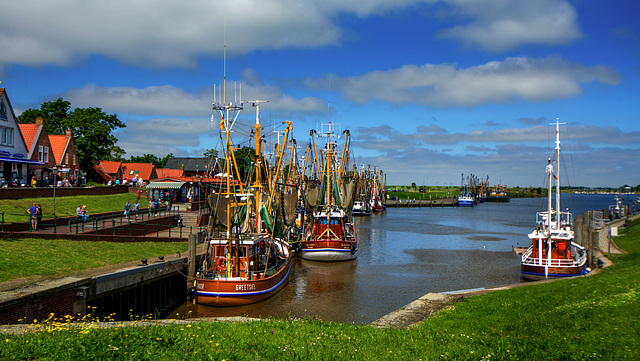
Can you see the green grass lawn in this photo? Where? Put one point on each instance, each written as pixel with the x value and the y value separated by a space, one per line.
pixel 52 258
pixel 583 318
pixel 15 210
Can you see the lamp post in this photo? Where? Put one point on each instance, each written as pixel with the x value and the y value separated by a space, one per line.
pixel 55 172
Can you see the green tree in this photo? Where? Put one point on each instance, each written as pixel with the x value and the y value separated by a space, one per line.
pixel 413 185
pixel 92 129
pixel 145 158
pixel 244 157
pixel 54 113
pixel 151 158
pixel 210 153
pixel 164 160
pixel 116 155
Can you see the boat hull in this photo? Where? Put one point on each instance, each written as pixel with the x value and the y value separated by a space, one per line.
pixel 329 251
pixel 465 203
pixel 223 292
pixel 500 199
pixel 536 273
pixel 359 212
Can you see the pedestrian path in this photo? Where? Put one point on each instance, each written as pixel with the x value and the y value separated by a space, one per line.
pixel 162 223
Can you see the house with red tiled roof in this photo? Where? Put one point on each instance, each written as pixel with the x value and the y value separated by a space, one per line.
pixel 144 171
pixel 119 171
pixel 109 171
pixel 169 173
pixel 64 152
pixel 14 160
pixel 37 141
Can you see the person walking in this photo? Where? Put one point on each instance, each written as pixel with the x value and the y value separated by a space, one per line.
pixel 39 214
pixel 127 209
pixel 33 212
pixel 136 208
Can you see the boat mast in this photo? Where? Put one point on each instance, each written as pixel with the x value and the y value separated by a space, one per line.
pixel 257 159
pixel 228 111
pixel 557 155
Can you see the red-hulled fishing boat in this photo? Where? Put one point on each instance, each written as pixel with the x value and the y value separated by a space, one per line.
pixel 244 261
pixel 330 234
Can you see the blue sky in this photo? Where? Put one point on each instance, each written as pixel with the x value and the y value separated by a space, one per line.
pixel 429 89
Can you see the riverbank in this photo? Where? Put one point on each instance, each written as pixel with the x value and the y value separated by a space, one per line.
pixel 578 318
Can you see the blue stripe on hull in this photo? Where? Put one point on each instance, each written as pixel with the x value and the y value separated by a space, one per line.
pixel 236 294
pixel 556 275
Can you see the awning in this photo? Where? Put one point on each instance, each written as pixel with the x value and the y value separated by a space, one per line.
pixel 20 161
pixel 165 185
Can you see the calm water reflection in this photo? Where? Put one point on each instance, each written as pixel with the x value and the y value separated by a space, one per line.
pixel 404 254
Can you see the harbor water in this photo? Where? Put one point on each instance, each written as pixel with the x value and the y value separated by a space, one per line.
pixel 405 253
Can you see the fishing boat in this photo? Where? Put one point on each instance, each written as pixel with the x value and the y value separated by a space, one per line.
pixel 466 197
pixel 361 208
pixel 364 189
pixel 553 252
pixel 498 194
pixel 376 203
pixel 330 233
pixel 466 200
pixel 618 210
pixel 245 261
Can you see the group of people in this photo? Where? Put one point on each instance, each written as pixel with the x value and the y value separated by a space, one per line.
pixel 133 181
pixel 35 213
pixel 81 212
pixel 13 183
pixel 60 182
pixel 127 209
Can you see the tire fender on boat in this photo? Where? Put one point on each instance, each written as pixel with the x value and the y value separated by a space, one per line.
pixel 221 264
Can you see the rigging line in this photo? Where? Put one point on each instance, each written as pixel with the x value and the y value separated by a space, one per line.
pixel 573 170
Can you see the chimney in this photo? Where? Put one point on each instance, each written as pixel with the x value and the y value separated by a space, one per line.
pixel 68 132
pixel 40 121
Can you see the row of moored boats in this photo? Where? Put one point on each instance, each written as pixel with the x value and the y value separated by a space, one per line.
pixel 263 216
pixel 282 208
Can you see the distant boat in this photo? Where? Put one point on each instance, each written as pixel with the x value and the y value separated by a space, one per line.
pixel 361 208
pixel 498 194
pixel 553 253
pixel 618 210
pixel 466 200
pixel 376 204
pixel 467 197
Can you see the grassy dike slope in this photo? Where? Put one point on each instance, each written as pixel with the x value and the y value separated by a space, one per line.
pixel 594 317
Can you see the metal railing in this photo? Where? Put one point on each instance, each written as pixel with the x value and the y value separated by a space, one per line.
pixel 135 223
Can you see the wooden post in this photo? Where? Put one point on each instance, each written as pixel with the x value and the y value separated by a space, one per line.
pixel 192 255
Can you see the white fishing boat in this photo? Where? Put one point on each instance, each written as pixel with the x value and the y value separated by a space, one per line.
pixel 553 252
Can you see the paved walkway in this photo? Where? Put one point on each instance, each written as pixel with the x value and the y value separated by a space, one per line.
pixel 146 221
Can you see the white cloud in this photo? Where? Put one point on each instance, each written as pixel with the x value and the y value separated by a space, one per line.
pixel 444 85
pixel 516 156
pixel 156 33
pixel 170 101
pixel 159 34
pixel 500 25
